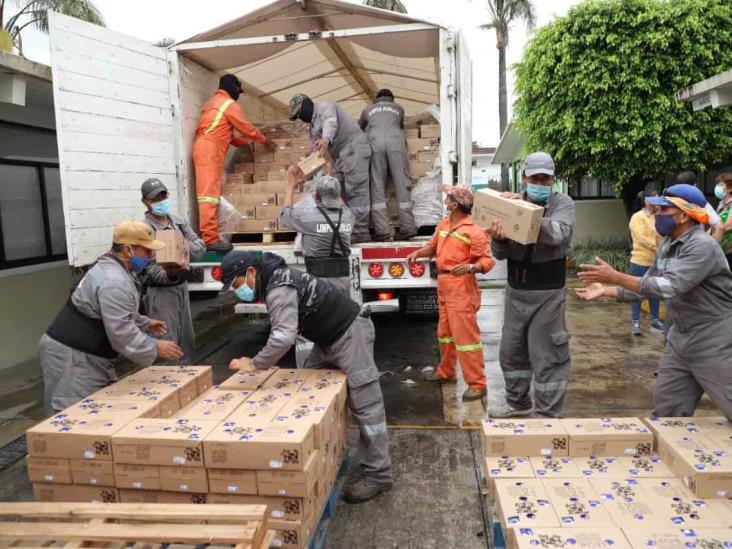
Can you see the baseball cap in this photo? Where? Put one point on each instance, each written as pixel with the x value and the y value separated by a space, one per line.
pixel 152 188
pixel 136 233
pixel 537 163
pixel 236 263
pixel 329 191
pixel 687 198
pixel 295 104
pixel 460 194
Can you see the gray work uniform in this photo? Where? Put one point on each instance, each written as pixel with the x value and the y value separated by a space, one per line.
pixel 353 354
pixel 351 153
pixel 167 299
pixel 383 123
pixel 108 292
pixel 535 339
pixel 692 276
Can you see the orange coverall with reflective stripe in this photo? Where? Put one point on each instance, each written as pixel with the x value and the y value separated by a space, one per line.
pixel 220 116
pixel 459 298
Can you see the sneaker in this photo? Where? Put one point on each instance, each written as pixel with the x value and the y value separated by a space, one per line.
pixel 507 410
pixel 219 247
pixel 635 327
pixel 364 489
pixel 473 394
pixel 432 377
pixel 657 327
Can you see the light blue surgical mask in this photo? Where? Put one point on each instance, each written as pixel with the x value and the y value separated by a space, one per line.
pixel 719 191
pixel 538 193
pixel 245 293
pixel 161 208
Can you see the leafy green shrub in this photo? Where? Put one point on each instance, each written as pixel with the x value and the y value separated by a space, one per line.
pixel 616 251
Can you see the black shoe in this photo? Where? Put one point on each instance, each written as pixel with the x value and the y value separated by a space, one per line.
pixel 363 490
pixel 219 247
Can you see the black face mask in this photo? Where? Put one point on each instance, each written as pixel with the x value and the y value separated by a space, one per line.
pixel 231 85
pixel 306 111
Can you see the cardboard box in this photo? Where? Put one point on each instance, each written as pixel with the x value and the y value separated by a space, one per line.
pixel 302 146
pixel 283 145
pixel 216 404
pixel 603 467
pixel 257 226
pixel 284 508
pixel 290 483
pixel 155 496
pixel 263 157
pixel 49 470
pixel 429 131
pixel 166 397
pixel 416 145
pixel 93 473
pixel 260 408
pixel 722 507
pixel 428 157
pixel 504 467
pixel 203 375
pixel 644 466
pixel 628 503
pixel 678 538
pixel 318 412
pixel 232 481
pixel 99 407
pixel 65 436
pixel 524 503
pixel 576 503
pixel 521 220
pixel 73 493
pixel 526 437
pixel 288 379
pixel 678 504
pixel 287 157
pixel 268 212
pixel 703 465
pixel 247 381
pixel 411 133
pixel 608 436
pixel 291 534
pixel 311 165
pixel 138 477
pixel 246 444
pixel 239 179
pixel 555 467
pixel 277 186
pixel 245 211
pixel 176 251
pixel 244 167
pixel 184 479
pixel 585 538
pixel 419 169
pixel 162 442
pixel 327 382
pixel 257 199
pixel 295 199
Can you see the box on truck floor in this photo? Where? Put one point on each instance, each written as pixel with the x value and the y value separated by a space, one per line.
pixel 526 438
pixel 93 473
pixel 608 437
pixel 576 503
pixel 57 471
pixel 524 503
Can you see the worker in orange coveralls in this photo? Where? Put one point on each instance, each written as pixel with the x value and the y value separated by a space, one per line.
pixel 461 249
pixel 220 116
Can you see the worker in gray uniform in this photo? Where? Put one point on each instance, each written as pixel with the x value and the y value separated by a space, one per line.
pixel 535 340
pixel 165 295
pixel 691 275
pixel 100 321
pixel 383 123
pixel 334 132
pixel 299 303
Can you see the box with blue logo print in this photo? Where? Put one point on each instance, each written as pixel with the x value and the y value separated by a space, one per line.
pixel 524 437
pixel 576 503
pixel 585 538
pixel 681 538
pixel 524 503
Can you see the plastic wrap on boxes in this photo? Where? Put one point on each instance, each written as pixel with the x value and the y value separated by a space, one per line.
pixel 427 198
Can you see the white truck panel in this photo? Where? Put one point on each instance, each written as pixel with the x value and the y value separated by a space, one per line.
pixel 465 111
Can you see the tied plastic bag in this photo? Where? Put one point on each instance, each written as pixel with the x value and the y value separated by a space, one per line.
pixel 427 206
pixel 228 218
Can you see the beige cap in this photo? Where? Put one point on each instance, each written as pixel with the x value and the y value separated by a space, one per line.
pixel 136 233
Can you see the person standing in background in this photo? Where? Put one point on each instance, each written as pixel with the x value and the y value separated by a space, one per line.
pixel 722 232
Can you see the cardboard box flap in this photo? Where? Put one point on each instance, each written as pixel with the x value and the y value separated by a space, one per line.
pixel 216 403
pixel 247 380
pixel 165 432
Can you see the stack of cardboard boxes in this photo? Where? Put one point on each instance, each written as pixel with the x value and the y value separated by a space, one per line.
pixel 258 184
pixel 423 148
pixel 274 437
pixel 597 482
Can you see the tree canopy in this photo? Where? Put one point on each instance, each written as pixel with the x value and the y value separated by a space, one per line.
pixel 597 88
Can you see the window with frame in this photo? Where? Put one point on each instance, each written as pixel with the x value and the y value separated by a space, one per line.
pixel 589 188
pixel 31 214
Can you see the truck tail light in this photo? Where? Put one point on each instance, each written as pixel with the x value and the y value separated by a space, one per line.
pixel 417 269
pixel 396 270
pixel 385 296
pixel 376 270
pixel 216 273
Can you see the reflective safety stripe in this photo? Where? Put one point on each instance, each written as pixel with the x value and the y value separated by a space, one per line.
pixel 517 374
pixel 219 114
pixel 373 430
pixel 473 347
pixel 208 199
pixel 550 386
pixel 456 235
pixel 378 206
pixel 405 205
pixel 445 339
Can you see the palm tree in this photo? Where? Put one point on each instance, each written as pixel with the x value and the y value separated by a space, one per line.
pixel 34 13
pixel 391 5
pixel 503 13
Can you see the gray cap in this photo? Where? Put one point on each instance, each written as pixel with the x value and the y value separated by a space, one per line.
pixel 151 188
pixel 538 162
pixel 329 191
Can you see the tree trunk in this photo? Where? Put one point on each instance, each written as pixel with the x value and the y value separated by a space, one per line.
pixel 502 104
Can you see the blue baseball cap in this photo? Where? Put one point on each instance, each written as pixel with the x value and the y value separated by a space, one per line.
pixel 688 193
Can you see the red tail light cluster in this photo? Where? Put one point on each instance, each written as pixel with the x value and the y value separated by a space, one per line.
pixel 417 269
pixel 216 273
pixel 376 270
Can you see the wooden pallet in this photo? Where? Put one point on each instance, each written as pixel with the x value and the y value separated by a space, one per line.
pixel 142 526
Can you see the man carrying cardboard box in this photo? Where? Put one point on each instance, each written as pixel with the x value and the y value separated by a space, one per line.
pixel 299 303
pixel 165 294
pixel 100 321
pixel 334 132
pixel 535 340
pixel 460 249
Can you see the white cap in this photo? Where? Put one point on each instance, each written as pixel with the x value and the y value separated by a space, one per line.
pixel 538 162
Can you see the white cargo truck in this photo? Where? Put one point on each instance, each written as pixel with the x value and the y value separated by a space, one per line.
pixel 127 110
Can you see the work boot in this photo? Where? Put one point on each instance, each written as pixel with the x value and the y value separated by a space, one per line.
pixel 364 489
pixel 432 377
pixel 657 327
pixel 635 327
pixel 473 394
pixel 219 247
pixel 506 411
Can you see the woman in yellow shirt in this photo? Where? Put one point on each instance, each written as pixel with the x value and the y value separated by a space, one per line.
pixel 645 238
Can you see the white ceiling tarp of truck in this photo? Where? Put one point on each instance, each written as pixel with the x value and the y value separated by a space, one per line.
pixel 348 70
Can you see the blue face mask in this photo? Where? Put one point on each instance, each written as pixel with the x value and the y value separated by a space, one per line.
pixel 665 224
pixel 138 263
pixel 719 191
pixel 161 208
pixel 245 293
pixel 538 193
